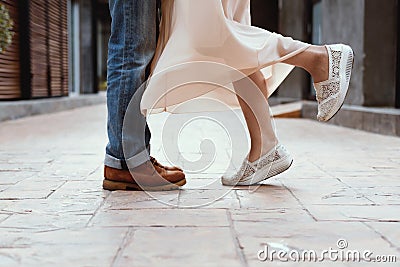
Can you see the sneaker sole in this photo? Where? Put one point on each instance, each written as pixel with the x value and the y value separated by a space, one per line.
pixel 269 172
pixel 348 64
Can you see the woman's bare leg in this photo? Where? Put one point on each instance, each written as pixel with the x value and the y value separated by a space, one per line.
pixel 256 111
pixel 314 60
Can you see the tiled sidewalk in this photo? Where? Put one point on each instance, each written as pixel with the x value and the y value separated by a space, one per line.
pixel 344 184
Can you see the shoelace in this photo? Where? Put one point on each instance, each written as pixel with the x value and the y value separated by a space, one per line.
pixel 155 162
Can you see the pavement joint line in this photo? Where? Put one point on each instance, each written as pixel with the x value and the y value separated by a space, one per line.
pixel 9 215
pixel 358 195
pixel 236 242
pixel 323 170
pixel 129 235
pixel 366 220
pixel 25 198
pixel 36 228
pixel 298 200
pixel 174 208
pixel 12 170
pixel 136 227
pixel 97 209
pixel 381 235
pixel 238 199
pixel 94 171
pixel 348 205
pixel 54 190
pixel 179 199
pixel 51 230
pixel 6 186
pixel 364 196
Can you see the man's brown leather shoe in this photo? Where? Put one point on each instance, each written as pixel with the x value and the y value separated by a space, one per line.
pixel 147 178
pixel 158 164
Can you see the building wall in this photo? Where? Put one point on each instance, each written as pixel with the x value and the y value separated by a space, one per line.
pixel 369 26
pixel 343 22
pixel 380 46
pixel 283 17
pixel 293 22
pixel 265 14
pixel 88 47
pixel 103 36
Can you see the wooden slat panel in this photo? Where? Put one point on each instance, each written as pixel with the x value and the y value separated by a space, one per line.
pixel 49 48
pixel 38 48
pixel 9 61
pixel 58 46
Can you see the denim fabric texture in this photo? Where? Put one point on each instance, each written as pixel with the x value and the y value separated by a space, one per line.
pixel 131 48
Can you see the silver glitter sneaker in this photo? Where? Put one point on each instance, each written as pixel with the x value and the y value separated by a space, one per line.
pixel 331 93
pixel 273 163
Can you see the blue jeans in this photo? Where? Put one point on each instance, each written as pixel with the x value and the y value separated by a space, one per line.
pixel 131 48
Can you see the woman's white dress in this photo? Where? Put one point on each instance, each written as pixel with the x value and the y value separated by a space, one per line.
pixel 212 45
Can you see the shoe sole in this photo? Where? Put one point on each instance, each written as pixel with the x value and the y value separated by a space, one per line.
pixel 113 186
pixel 268 172
pixel 349 67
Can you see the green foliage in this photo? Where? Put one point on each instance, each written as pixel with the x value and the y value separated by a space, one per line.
pixel 6 25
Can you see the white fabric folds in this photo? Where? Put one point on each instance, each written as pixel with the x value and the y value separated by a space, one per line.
pixel 212 45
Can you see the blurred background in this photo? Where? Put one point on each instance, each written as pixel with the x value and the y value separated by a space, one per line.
pixel 59 49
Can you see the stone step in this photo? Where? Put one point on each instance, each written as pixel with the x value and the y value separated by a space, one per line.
pixel 289 110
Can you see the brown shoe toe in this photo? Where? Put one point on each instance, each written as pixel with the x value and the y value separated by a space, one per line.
pixel 171 176
pixel 146 178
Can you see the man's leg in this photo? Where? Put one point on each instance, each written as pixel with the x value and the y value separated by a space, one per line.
pixel 131 48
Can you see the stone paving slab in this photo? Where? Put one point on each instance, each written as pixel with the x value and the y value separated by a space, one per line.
pixel 344 184
pixel 386 213
pixel 334 192
pixel 61 247
pixel 161 218
pixel 31 188
pixel 167 248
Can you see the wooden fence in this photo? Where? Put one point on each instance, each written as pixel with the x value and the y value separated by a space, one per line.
pixel 39 66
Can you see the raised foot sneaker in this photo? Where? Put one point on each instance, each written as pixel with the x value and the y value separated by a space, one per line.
pixel 273 163
pixel 332 92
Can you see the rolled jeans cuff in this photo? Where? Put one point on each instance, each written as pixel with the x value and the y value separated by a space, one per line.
pixel 130 163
